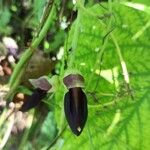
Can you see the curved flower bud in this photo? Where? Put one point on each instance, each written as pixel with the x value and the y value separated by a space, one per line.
pixel 75 103
pixel 33 100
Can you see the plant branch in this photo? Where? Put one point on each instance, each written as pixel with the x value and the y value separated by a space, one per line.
pixel 101 52
pixel 8 132
pixel 57 137
pixel 122 62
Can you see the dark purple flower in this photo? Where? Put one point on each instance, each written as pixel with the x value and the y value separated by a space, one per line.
pixel 75 106
pixel 33 100
pixel 75 103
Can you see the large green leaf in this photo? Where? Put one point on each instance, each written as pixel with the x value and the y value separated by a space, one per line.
pixel 124 125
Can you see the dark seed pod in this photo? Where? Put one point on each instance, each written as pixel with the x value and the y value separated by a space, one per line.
pixel 33 100
pixel 75 103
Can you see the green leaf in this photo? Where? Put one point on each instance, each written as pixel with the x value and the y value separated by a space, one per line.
pixel 38 8
pixel 47 131
pixel 5 16
pixel 124 125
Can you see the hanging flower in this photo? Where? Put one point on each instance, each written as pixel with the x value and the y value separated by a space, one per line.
pixel 75 103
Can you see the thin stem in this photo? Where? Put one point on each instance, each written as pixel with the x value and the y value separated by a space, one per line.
pixel 114 123
pixel 99 56
pixel 57 137
pixel 8 132
pixel 16 83
pixel 26 132
pixel 101 93
pixel 45 14
pixel 100 106
pixel 3 117
pixel 7 113
pixel 122 62
pixel 104 44
pixel 91 144
pixel 141 31
pixel 82 8
pixel 75 38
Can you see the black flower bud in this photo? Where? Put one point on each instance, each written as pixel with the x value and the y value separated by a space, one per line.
pixel 33 100
pixel 42 86
pixel 75 103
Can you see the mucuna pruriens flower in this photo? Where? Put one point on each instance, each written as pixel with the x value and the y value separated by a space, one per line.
pixel 75 106
pixel 42 86
pixel 33 100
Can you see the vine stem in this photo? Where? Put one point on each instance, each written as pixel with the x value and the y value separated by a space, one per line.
pixel 122 62
pixel 8 132
pixel 114 123
pixel 105 105
pixel 141 31
pixel 104 45
pixel 76 33
pixel 3 117
pixel 57 137
pixel 123 66
pixel 20 67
